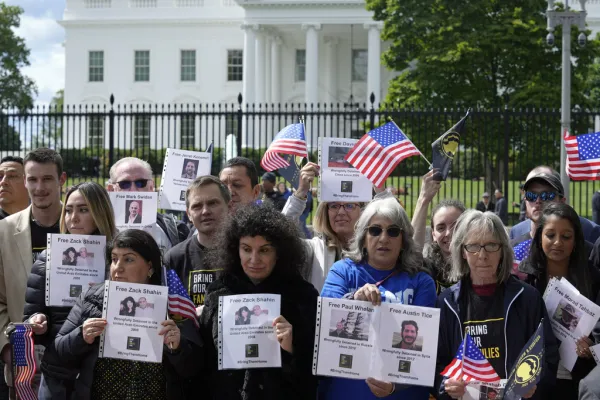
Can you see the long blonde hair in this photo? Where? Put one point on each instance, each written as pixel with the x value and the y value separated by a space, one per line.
pixel 100 207
pixel 322 226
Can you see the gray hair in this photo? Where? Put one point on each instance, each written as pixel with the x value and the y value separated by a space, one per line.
pixel 410 260
pixel 475 223
pixel 113 170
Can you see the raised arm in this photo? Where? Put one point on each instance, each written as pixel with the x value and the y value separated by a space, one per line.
pixel 429 188
pixel 294 207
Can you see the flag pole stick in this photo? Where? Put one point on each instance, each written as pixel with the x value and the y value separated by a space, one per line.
pixel 422 156
pixel 462 364
pixel 301 119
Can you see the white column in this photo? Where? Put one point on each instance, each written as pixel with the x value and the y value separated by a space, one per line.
pixel 260 67
pixel 374 62
pixel 331 69
pixel 312 64
pixel 276 70
pixel 248 91
pixel 268 41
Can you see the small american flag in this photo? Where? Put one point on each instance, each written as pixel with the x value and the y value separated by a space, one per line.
pixel 24 358
pixel 521 251
pixel 290 140
pixel 179 303
pixel 470 365
pixel 583 156
pixel 378 152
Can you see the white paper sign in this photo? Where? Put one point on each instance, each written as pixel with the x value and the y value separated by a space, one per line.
pixel 391 342
pixel 572 316
pixel 339 180
pixel 134 313
pixel 134 210
pixel 247 338
pixel 180 168
pixel 485 390
pixel 74 263
pixel 595 350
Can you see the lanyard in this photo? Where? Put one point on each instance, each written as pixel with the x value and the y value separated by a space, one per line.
pixel 394 272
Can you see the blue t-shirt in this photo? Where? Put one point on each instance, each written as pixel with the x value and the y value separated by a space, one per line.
pixel 346 276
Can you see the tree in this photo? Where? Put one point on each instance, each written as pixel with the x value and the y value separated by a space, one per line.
pixel 476 53
pixel 16 89
pixel 9 137
pixel 51 129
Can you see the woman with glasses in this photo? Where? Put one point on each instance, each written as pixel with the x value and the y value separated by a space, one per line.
pixel 259 251
pixel 498 311
pixel 87 210
pixel 558 250
pixel 382 265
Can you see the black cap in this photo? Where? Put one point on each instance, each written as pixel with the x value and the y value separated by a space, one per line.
pixel 269 176
pixel 552 179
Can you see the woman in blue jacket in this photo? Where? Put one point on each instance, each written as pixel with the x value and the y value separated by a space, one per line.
pixel 498 311
pixel 381 266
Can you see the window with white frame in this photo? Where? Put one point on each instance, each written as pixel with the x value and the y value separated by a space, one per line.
pixel 359 65
pixel 188 131
pixel 141 131
pixel 235 63
pixel 188 65
pixel 96 66
pixel 96 131
pixel 142 65
pixel 300 69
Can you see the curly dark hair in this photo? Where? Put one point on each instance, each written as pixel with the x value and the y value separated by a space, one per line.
pixel 265 221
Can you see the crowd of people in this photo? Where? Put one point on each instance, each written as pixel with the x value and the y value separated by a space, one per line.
pixel 248 238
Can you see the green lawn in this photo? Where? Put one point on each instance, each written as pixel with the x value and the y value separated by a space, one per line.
pixel 468 191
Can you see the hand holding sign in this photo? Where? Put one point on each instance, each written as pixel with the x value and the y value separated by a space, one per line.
pixel 307 176
pixel 283 329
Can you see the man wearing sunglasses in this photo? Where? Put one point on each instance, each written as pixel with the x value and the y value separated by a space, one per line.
pixel 543 185
pixel 131 174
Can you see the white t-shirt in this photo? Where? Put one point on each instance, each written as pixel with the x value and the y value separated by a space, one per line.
pixel 144 312
pixel 261 319
pixel 84 261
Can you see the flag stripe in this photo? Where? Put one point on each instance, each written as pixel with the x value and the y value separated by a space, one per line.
pixel 583 158
pixel 290 140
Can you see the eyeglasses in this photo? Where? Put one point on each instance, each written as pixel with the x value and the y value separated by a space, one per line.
pixel 348 206
pixel 544 196
pixel 375 231
pixel 139 183
pixel 475 248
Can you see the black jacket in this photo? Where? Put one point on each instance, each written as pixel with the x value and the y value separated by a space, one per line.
pixel 536 278
pixel 80 358
pixel 177 231
pixel 294 380
pixel 35 303
pixel 523 310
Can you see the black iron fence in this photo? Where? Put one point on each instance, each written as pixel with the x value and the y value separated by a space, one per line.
pixel 497 149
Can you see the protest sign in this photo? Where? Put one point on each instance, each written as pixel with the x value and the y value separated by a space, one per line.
pixel 484 390
pixel 134 313
pixel 134 210
pixel 246 331
pixel 73 264
pixel 339 180
pixel 391 342
pixel 180 168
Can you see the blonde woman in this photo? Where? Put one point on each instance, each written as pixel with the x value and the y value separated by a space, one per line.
pixel 87 210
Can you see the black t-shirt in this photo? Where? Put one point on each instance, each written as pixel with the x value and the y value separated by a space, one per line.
pixel 187 259
pixel 38 237
pixel 484 321
pixel 3 214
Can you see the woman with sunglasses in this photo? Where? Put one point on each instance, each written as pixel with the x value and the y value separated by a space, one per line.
pixel 87 210
pixel 498 311
pixel 382 265
pixel 558 250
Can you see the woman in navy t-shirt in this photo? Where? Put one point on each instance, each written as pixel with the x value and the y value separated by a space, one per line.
pixel 381 266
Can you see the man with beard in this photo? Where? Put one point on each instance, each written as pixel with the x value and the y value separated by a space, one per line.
pixel 23 235
pixel 207 203
pixel 13 194
pixel 190 170
pixel 410 331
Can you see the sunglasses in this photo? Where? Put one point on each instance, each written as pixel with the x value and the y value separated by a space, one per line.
pixel 544 196
pixel 475 248
pixel 375 231
pixel 139 183
pixel 348 206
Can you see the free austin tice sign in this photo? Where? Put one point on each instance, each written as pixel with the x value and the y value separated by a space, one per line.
pixel 73 264
pixel 180 168
pixel 247 337
pixel 134 313
pixel 134 210
pixel 391 342
pixel 339 180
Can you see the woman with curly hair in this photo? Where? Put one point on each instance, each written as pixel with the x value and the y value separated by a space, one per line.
pixel 260 251
pixel 129 307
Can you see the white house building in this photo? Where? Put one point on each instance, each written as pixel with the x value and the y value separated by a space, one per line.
pixel 180 52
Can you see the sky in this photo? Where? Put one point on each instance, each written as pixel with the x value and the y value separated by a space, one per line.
pixel 44 37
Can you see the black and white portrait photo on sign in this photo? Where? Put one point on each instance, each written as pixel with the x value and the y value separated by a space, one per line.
pixel 190 168
pixel 349 325
pixel 134 215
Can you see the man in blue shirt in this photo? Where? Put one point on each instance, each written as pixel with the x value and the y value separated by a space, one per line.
pixel 542 180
